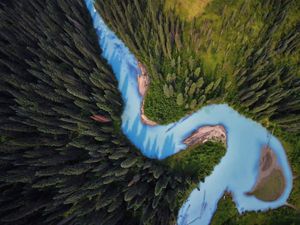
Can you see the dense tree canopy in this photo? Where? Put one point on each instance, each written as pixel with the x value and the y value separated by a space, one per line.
pixel 61 164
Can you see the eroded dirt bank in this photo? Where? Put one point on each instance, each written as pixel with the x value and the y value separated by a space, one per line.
pixel 207 133
pixel 143 84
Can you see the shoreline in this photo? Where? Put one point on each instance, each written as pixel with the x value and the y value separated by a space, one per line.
pixel 205 134
pixel 200 136
pixel 143 85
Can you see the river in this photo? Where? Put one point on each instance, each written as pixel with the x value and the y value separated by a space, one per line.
pixel 238 169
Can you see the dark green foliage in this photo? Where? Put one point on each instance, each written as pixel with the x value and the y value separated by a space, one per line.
pixel 58 166
pixel 197 162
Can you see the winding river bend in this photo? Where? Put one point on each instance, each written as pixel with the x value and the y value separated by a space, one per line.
pixel 237 171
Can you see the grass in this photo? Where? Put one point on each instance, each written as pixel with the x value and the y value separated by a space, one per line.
pixel 271 187
pixel 228 41
pixel 187 9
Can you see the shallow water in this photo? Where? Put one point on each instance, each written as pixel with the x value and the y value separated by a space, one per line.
pixel 238 169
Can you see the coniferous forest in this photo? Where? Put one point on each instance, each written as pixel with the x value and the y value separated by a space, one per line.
pixel 60 166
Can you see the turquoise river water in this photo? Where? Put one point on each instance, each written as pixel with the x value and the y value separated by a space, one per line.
pixel 238 169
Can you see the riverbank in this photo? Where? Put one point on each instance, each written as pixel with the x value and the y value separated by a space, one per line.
pixel 207 133
pixel 143 85
pixel 270 183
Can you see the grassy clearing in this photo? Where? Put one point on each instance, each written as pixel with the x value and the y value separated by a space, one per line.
pixel 226 41
pixel 271 187
pixel 187 9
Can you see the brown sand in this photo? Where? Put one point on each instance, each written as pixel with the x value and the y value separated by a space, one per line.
pixel 207 133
